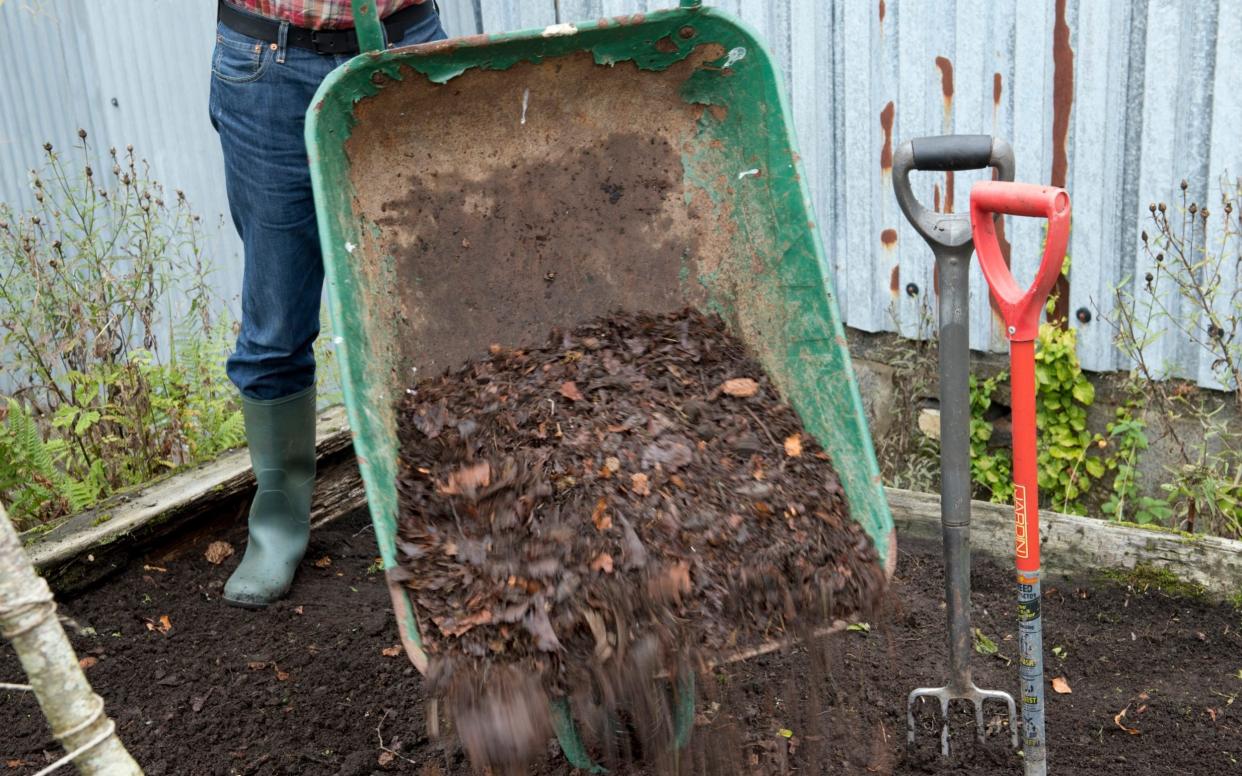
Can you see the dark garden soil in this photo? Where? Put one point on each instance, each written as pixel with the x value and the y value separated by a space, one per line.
pixel 579 517
pixel 630 500
pixel 306 687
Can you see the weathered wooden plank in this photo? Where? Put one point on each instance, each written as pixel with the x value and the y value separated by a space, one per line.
pixel 1071 543
pixel 91 545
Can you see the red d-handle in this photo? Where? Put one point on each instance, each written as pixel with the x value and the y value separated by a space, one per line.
pixel 1020 308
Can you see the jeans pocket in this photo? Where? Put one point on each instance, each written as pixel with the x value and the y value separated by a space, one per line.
pixel 238 58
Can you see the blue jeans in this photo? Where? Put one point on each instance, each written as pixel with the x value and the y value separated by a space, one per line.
pixel 259 97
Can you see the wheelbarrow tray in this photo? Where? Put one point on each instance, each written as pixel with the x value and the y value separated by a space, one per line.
pixel 484 189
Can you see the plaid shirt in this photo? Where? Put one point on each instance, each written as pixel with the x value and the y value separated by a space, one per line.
pixel 316 14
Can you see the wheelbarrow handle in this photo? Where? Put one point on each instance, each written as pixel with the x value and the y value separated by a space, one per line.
pixel 1020 308
pixel 367 25
pixel 944 153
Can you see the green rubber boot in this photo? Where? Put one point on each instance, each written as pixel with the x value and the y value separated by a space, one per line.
pixel 281 436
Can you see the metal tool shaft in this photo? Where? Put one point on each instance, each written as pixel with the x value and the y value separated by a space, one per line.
pixel 953 269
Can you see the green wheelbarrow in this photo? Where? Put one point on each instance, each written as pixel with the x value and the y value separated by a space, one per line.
pixel 484 189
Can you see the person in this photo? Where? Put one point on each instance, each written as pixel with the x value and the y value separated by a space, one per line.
pixel 269 58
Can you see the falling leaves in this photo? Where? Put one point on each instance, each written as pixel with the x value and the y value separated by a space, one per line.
pixel 323 562
pixel 467 480
pixel 454 627
pixel 570 391
pixel 640 485
pixel 599 516
pixel 740 387
pixel 392 651
pixel 1061 686
pixel 793 446
pixel 602 562
pixel 671 583
pixel 218 552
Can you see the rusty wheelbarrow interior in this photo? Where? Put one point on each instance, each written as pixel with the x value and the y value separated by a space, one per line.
pixel 482 190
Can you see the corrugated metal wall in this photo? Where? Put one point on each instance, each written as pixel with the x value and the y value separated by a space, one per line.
pixel 1118 100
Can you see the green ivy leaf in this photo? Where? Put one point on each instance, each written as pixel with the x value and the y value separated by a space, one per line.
pixel 1084 392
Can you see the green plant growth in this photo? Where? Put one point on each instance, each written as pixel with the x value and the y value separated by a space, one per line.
pixel 113 354
pixel 1067 462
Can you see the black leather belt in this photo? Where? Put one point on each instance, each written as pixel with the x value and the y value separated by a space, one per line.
pixel 343 41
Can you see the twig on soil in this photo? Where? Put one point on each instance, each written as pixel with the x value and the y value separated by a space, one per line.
pixel 767 433
pixel 380 735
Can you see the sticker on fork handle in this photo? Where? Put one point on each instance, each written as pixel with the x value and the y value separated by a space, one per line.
pixel 1022 542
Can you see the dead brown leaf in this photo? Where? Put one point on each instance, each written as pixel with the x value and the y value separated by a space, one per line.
pixel 611 466
pixel 602 562
pixel 281 676
pixel 570 391
pixel 1061 686
pixel 298 610
pixel 256 665
pixel 386 757
pixel 1212 713
pixel 467 479
pixel 793 446
pixel 163 626
pixel 740 387
pixel 640 485
pixel 600 515
pixel 87 662
pixel 671 584
pixel 1120 716
pixel 453 628
pixel 217 552
pixel 323 562
pixel 392 651
pixel 14 763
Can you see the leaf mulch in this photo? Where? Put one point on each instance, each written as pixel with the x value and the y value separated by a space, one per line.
pixel 630 500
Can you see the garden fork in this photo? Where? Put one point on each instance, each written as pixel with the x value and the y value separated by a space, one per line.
pixel 950 238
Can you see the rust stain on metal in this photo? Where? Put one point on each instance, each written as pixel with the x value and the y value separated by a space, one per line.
pixel 946 78
pixel 936 279
pixel 666 45
pixel 948 192
pixel 888 237
pixel 936 197
pixel 719 112
pixel 996 89
pixel 882 10
pixel 894 280
pixel 1062 102
pixel 886 122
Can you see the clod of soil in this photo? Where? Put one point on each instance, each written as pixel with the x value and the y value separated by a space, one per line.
pixel 631 499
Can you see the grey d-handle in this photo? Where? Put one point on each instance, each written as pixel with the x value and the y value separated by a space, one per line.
pixel 945 153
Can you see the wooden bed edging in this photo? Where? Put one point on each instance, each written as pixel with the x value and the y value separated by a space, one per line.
pixel 91 545
pixel 1071 543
